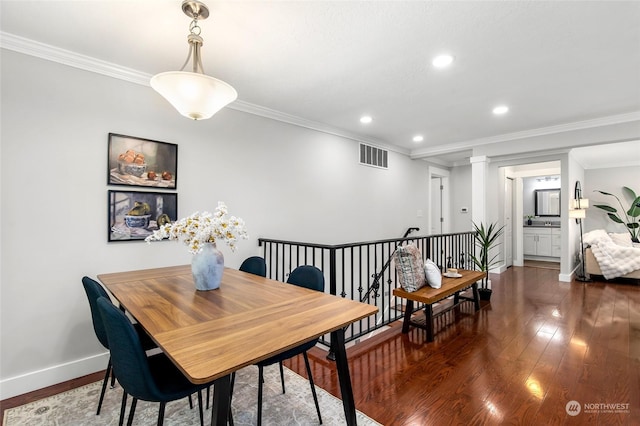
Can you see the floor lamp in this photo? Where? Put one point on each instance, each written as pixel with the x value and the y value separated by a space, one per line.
pixel 579 212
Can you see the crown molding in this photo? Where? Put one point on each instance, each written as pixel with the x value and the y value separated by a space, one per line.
pixel 66 57
pixel 310 124
pixel 546 155
pixel 438 162
pixel 543 131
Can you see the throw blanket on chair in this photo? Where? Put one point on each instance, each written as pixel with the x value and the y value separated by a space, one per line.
pixel 614 260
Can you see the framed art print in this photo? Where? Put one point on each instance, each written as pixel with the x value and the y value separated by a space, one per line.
pixel 134 215
pixel 142 162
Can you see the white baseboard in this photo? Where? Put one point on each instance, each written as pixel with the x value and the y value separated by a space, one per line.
pixel 567 278
pixel 35 380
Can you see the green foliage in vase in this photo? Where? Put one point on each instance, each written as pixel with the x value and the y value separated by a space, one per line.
pixel 631 219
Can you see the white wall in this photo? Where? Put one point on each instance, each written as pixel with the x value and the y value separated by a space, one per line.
pixel 460 184
pixel 284 181
pixel 610 180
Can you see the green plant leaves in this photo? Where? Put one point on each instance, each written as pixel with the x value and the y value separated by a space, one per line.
pixel 615 218
pixel 606 208
pixel 634 211
pixel 630 219
pixel 629 192
pixel 485 239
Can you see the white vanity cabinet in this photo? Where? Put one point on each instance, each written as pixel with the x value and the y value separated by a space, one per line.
pixel 555 242
pixel 544 242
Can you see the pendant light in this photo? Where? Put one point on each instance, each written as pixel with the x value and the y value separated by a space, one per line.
pixel 194 94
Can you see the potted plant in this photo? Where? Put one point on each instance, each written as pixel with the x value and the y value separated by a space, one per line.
pixel 485 239
pixel 529 220
pixel 632 216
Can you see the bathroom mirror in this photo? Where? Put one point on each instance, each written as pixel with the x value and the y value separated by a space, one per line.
pixel 547 202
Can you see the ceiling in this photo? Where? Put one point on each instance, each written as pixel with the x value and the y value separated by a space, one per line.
pixel 329 63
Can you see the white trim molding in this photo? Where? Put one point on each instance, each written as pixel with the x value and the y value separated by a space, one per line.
pixel 35 380
pixel 66 57
pixel 543 131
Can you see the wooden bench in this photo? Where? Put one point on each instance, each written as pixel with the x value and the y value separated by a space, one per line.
pixel 429 296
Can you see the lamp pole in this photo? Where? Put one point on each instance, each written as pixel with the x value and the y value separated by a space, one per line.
pixel 580 212
pixel 582 278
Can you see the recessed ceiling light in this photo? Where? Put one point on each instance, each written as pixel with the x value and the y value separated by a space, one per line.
pixel 501 109
pixel 418 138
pixel 442 61
pixel 366 119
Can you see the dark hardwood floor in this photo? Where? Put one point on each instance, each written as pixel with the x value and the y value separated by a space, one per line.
pixel 539 344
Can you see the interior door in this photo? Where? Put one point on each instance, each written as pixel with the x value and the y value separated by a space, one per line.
pixel 508 222
pixel 436 205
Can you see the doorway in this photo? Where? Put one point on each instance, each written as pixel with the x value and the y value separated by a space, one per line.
pixel 437 216
pixel 508 221
pixel 519 201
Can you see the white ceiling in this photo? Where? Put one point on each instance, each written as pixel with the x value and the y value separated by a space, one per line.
pixel 611 155
pixel 552 62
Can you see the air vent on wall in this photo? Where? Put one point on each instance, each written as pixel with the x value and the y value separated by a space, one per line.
pixel 372 156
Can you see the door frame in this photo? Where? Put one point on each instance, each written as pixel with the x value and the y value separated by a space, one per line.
pixel 444 174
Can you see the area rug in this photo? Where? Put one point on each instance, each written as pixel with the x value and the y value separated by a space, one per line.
pixel 78 406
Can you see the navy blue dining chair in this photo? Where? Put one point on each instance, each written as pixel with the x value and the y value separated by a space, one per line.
pixel 303 276
pixel 154 378
pixel 94 291
pixel 254 265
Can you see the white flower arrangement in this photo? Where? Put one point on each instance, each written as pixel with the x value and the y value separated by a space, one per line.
pixel 201 228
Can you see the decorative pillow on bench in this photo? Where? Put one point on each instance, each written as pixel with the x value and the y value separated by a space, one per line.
pixel 432 272
pixel 409 266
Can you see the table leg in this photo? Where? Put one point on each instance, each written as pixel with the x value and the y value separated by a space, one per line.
pixel 408 310
pixel 344 377
pixel 428 313
pixel 476 296
pixel 221 401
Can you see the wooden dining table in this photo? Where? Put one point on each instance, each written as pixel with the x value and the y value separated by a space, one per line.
pixel 211 334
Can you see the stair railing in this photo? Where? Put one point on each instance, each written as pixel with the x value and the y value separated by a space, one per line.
pixel 376 277
pixel 363 271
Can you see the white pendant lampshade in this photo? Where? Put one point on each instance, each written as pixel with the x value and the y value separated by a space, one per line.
pixel 194 95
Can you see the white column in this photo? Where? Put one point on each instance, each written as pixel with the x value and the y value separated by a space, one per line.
pixel 479 172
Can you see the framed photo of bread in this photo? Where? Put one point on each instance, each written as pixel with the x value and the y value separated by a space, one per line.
pixel 134 215
pixel 136 161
